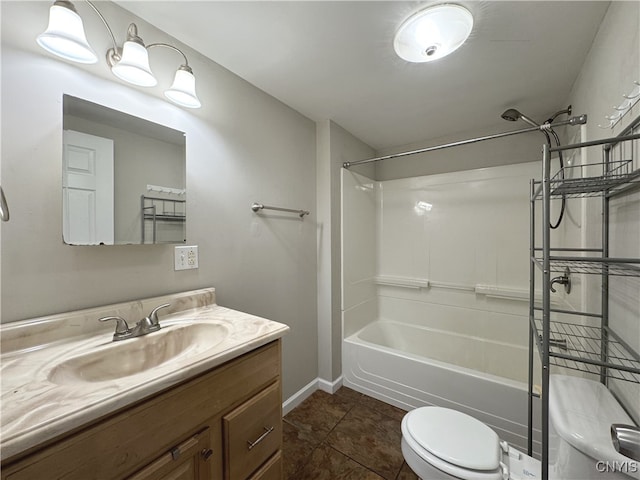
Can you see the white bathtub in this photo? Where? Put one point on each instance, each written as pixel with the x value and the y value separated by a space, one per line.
pixel 411 366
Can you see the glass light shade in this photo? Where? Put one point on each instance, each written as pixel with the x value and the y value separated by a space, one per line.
pixel 433 33
pixel 133 66
pixel 65 36
pixel 183 90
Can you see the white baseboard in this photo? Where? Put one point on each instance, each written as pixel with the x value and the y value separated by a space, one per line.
pixel 301 395
pixel 330 387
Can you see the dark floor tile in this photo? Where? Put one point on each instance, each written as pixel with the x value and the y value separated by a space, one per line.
pixel 349 394
pixel 371 439
pixel 382 407
pixel 296 451
pixel 329 464
pixel 318 415
pixel 406 473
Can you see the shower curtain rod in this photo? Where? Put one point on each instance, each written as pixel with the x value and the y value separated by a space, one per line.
pixel 579 120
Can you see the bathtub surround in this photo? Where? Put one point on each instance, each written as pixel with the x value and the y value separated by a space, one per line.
pixel 435 292
pixel 450 239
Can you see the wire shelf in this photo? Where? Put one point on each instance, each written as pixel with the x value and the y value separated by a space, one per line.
pixel 167 217
pixel 578 347
pixel 592 179
pixel 594 266
pixel 168 213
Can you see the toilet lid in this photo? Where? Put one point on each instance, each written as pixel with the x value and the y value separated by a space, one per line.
pixel 455 437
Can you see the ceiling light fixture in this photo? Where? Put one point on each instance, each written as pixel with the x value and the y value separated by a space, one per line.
pixel 433 33
pixel 65 37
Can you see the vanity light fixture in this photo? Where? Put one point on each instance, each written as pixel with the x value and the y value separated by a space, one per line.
pixel 131 64
pixel 183 90
pixel 433 33
pixel 65 37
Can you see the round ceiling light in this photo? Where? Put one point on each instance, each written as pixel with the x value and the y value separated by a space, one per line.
pixel 433 33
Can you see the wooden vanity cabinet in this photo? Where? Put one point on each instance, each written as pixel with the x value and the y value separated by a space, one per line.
pixel 212 427
pixel 187 461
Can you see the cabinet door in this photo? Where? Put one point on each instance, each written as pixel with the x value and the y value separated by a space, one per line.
pixel 186 461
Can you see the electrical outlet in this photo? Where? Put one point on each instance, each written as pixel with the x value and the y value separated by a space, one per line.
pixel 186 258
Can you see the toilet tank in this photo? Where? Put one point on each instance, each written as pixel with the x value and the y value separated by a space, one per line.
pixel 581 412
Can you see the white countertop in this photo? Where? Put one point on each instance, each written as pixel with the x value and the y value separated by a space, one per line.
pixel 34 409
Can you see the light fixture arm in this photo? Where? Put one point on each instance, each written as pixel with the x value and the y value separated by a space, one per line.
pixel 166 45
pixel 104 21
pixel 114 55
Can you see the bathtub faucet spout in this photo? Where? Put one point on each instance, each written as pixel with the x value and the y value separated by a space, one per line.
pixel 562 280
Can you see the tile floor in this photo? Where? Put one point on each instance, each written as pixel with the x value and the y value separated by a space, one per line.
pixel 344 436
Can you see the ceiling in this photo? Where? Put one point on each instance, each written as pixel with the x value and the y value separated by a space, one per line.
pixel 335 60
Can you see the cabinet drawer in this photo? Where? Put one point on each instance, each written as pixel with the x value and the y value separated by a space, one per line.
pixel 272 470
pixel 253 432
pixel 187 461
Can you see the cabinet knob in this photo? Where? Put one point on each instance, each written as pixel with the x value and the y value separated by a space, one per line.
pixel 206 453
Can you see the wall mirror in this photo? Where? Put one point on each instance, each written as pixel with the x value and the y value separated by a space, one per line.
pixel 123 178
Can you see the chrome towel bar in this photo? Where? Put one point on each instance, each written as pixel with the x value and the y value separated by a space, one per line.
pixel 259 206
pixel 4 208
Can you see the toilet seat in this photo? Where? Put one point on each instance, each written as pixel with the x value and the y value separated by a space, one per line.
pixel 453 442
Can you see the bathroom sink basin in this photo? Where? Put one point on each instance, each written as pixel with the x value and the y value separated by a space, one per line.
pixel 130 357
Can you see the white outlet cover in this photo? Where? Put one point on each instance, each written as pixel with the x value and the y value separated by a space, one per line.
pixel 186 257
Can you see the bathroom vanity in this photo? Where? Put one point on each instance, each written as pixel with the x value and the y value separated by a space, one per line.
pixel 204 413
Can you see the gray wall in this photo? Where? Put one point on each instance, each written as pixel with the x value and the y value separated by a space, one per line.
pixel 612 66
pixel 242 146
pixel 334 147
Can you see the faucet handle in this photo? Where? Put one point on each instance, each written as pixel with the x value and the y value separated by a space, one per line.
pixel 626 440
pixel 122 327
pixel 153 316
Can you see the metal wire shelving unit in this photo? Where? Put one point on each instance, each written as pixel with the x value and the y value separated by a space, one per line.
pixel 156 210
pixel 582 341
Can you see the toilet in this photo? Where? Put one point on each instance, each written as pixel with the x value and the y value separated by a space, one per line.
pixel 441 443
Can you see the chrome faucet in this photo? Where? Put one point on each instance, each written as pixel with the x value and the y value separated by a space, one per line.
pixel 562 280
pixel 147 325
pixel 626 440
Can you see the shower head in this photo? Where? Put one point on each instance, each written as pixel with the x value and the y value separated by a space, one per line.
pixel 512 115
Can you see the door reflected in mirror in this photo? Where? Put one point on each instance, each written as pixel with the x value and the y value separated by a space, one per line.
pixel 123 178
